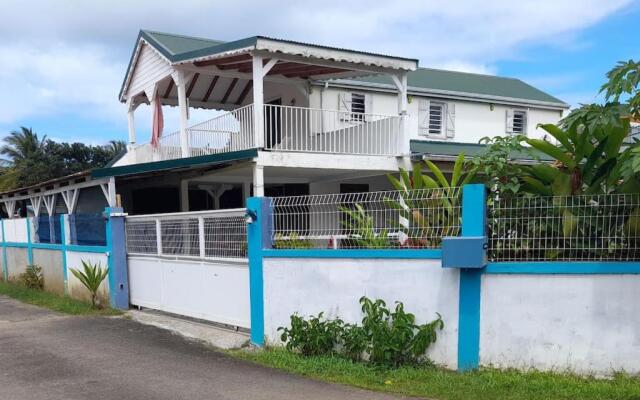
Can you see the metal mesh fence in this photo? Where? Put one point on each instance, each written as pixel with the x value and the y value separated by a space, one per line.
pixel 211 234
pixel 571 228
pixel 417 218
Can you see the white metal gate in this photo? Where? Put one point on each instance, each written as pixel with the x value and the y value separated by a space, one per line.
pixel 193 264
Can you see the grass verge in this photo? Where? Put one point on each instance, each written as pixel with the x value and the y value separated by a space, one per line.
pixel 52 301
pixel 437 383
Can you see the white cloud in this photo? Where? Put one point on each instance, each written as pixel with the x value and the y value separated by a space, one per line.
pixel 71 56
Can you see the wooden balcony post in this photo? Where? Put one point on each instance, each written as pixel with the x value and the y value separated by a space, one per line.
pixel 400 81
pixel 180 81
pixel 258 101
pixel 131 121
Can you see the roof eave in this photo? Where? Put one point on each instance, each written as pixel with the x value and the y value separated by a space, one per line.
pixel 450 94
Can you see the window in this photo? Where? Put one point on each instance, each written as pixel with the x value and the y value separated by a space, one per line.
pixel 436 118
pixel 354 106
pixel 517 122
pixel 358 107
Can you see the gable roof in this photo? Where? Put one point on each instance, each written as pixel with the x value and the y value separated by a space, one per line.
pixel 179 49
pixel 461 84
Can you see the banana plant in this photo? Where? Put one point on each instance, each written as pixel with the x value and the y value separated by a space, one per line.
pixel 587 160
pixel 428 215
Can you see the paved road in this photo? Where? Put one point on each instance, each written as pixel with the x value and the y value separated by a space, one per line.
pixel 44 355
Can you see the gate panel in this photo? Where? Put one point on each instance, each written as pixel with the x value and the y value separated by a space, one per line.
pixel 193 264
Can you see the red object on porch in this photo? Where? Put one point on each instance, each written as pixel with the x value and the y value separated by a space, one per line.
pixel 158 123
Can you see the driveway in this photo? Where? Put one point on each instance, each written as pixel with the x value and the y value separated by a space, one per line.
pixel 45 355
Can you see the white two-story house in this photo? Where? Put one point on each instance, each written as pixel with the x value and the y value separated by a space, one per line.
pixel 291 118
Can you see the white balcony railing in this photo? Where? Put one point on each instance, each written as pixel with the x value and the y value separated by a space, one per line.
pixel 300 129
pixel 292 129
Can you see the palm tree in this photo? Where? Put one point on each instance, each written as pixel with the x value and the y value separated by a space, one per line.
pixel 22 145
pixel 116 147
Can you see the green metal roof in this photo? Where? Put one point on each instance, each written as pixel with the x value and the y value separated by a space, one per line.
pixel 211 159
pixel 463 82
pixel 470 150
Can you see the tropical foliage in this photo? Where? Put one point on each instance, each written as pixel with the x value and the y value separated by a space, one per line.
pixel 30 159
pixel 386 337
pixel 91 277
pixel 430 206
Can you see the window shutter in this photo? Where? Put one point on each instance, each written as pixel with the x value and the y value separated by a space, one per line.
pixel 368 106
pixel 423 117
pixel 451 120
pixel 344 106
pixel 509 121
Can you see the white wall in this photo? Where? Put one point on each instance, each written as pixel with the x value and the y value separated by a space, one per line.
pixel 583 323
pixel 473 121
pixel 215 291
pixel 75 287
pixel 309 286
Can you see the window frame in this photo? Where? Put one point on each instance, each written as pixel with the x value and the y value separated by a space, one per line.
pixel 427 130
pixel 524 124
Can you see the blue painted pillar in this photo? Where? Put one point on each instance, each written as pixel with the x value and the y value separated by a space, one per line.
pixel 64 220
pixel 29 242
pixel 117 258
pixel 5 267
pixel 258 238
pixel 473 224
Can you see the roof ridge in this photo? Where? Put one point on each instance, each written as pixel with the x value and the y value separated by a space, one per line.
pixel 148 31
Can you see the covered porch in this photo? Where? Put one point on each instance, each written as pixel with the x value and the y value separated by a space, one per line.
pixel 261 90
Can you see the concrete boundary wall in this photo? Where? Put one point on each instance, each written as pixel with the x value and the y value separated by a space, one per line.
pixel 334 286
pixel 19 250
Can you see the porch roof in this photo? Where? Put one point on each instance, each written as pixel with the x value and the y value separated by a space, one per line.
pixel 449 151
pixel 180 163
pixel 235 55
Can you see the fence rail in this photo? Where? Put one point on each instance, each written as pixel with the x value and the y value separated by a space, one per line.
pixel 219 234
pixel 388 219
pixel 565 228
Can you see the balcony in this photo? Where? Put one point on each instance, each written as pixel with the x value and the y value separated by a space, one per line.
pixel 286 129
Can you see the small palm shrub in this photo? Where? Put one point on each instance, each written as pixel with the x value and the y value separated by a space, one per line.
pixel 91 277
pixel 386 337
pixel 32 277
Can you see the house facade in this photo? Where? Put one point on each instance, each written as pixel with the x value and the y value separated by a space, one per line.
pixel 289 118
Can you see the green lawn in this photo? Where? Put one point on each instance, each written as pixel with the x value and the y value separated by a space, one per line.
pixel 52 301
pixel 436 383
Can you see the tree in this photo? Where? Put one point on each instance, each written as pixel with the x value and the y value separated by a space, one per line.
pixel 30 159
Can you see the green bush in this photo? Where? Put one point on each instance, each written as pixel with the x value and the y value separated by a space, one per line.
pixel 294 241
pixel 388 338
pixel 32 277
pixel 314 337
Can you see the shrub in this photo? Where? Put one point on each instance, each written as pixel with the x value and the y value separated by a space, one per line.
pixel 32 277
pixel 387 338
pixel 294 241
pixel 91 277
pixel 314 337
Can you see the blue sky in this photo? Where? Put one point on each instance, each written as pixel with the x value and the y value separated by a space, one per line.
pixel 61 73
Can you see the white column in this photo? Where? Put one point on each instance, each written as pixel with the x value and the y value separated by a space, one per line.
pixel 131 122
pixel 258 102
pixel 180 82
pixel 258 180
pixel 184 195
pixel 246 192
pixel 400 81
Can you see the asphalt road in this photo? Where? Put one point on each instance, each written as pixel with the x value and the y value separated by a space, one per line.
pixel 44 355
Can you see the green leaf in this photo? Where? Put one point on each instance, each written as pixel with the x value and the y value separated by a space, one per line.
pixel 457 169
pixel 559 134
pixel 552 151
pixel 438 174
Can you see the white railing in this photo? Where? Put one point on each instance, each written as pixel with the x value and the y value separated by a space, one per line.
pixel 216 234
pixel 313 130
pixel 232 131
pixel 286 128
